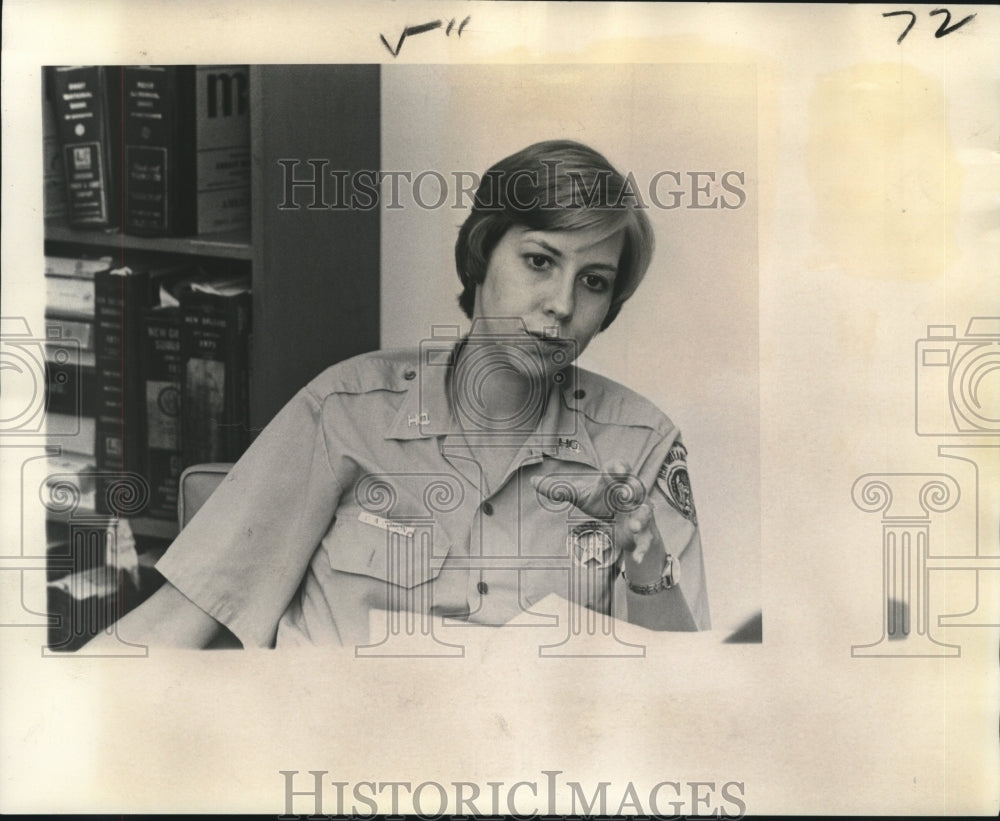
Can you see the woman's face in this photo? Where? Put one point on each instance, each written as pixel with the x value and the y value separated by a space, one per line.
pixel 559 283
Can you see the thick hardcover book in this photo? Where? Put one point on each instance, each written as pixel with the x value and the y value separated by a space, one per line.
pixel 86 102
pixel 215 350
pixel 162 356
pixel 187 149
pixel 121 297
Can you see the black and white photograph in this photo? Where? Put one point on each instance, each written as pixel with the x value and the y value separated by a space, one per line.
pixel 500 408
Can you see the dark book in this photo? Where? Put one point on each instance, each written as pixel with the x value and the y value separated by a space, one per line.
pixel 187 149
pixel 163 366
pixel 54 175
pixel 86 102
pixel 70 374
pixel 122 298
pixel 71 379
pixel 215 349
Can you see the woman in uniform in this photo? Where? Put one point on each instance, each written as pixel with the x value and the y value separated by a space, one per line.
pixel 466 478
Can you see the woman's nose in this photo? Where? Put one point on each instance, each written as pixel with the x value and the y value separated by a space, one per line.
pixel 559 297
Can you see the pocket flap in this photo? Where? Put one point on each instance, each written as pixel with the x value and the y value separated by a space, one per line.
pixel 404 556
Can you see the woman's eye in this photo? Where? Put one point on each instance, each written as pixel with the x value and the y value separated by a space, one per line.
pixel 539 262
pixel 595 282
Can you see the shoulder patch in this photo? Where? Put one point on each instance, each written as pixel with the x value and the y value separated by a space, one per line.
pixel 674 482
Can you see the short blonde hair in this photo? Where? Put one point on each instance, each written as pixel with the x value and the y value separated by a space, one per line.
pixel 556 185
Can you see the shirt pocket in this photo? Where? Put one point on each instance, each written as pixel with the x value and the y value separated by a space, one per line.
pixel 399 553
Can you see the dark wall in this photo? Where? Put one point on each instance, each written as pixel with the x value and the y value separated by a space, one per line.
pixel 316 267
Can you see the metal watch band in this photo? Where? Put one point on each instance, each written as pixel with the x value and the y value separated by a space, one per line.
pixel 668 579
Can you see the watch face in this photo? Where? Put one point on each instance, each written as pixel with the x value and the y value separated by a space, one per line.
pixel 591 545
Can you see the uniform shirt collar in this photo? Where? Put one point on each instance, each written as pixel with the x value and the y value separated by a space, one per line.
pixel 426 412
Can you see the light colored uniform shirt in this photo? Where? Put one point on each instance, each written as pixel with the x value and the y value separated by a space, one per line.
pixel 363 494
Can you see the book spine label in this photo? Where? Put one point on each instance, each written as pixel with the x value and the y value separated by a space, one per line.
pixel 120 304
pixel 163 411
pixel 83 105
pixel 151 145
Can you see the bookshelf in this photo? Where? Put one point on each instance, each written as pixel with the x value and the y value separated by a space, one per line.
pixel 232 245
pixel 314 273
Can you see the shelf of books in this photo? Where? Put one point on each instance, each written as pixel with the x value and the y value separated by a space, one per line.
pixel 155 280
pixel 148 300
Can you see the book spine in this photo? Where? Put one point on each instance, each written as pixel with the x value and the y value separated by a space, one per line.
pixel 158 142
pixel 162 367
pixel 54 193
pixel 215 407
pixel 222 178
pixel 187 149
pixel 120 301
pixel 87 103
pixel 71 380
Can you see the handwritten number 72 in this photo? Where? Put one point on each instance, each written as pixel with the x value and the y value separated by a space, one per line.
pixel 943 29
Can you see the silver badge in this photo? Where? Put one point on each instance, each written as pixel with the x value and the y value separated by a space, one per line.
pixel 591 545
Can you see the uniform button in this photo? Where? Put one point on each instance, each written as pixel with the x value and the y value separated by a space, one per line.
pixel 409 375
pixel 579 393
pixel 483 588
pixel 487 508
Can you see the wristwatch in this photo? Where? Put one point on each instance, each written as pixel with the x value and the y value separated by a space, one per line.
pixel 668 578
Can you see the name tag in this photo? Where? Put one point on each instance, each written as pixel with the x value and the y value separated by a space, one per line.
pixel 385 524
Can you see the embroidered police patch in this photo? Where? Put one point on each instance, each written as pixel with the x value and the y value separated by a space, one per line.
pixel 673 480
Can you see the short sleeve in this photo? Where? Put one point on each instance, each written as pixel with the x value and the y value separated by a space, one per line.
pixel 242 557
pixel 684 606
